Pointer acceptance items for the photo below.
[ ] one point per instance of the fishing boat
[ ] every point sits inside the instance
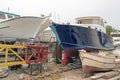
(73, 37)
(98, 61)
(14, 27)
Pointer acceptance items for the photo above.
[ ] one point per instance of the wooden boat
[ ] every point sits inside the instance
(98, 61)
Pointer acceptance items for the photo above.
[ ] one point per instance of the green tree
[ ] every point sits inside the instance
(109, 29)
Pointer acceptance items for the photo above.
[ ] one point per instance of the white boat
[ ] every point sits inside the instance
(116, 38)
(98, 61)
(14, 27)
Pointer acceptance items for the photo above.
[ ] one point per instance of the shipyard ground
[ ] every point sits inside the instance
(54, 71)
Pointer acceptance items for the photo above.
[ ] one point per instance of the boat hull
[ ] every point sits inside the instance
(73, 38)
(79, 37)
(22, 28)
(94, 62)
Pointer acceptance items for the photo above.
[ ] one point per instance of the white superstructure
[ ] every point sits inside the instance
(92, 22)
(116, 38)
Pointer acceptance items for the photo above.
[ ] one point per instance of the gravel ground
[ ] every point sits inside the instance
(51, 74)
(73, 75)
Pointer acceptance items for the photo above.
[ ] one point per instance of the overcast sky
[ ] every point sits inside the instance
(66, 10)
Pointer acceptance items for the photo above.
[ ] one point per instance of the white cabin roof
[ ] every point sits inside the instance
(89, 17)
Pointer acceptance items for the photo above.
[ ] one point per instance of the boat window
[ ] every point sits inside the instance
(118, 35)
(117, 40)
(98, 21)
(115, 35)
(95, 28)
(9, 16)
(89, 27)
(79, 22)
(86, 21)
(2, 16)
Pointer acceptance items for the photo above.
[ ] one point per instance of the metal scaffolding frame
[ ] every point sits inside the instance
(41, 53)
(10, 48)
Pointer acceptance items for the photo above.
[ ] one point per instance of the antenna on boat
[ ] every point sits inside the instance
(50, 14)
(8, 8)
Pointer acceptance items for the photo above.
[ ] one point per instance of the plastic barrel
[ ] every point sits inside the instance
(65, 58)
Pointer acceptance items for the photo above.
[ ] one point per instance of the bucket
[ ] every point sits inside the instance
(72, 60)
(65, 58)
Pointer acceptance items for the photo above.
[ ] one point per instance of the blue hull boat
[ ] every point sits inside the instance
(73, 37)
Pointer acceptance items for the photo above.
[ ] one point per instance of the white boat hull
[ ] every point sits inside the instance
(23, 27)
(94, 62)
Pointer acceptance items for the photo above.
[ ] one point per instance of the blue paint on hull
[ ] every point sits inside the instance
(78, 37)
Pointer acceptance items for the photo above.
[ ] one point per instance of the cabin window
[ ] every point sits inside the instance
(79, 22)
(86, 21)
(2, 16)
(89, 27)
(9, 16)
(98, 21)
(95, 28)
(100, 30)
(112, 35)
(118, 35)
(115, 35)
(117, 40)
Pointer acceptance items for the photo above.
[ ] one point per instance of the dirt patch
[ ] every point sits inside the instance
(52, 72)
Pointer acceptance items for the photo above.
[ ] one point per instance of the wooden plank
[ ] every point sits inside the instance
(115, 78)
(100, 79)
(105, 75)
(110, 75)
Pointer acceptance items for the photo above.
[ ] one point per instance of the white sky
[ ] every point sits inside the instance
(66, 10)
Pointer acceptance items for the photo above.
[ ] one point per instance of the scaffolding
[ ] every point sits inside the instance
(41, 52)
(9, 49)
